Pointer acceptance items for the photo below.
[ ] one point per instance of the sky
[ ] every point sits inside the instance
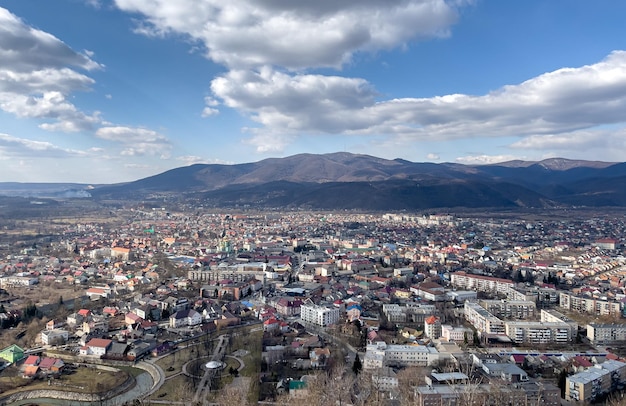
(107, 91)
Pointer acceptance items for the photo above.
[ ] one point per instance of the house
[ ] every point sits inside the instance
(54, 337)
(188, 317)
(51, 365)
(319, 356)
(288, 306)
(132, 318)
(353, 312)
(12, 353)
(271, 324)
(54, 324)
(96, 346)
(97, 293)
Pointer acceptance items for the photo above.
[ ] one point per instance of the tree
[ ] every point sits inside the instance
(357, 366)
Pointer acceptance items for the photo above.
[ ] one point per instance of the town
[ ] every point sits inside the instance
(190, 305)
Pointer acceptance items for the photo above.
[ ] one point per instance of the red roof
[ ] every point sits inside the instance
(32, 360)
(47, 363)
(99, 342)
(431, 320)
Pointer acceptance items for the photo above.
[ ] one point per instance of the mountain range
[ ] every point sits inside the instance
(351, 181)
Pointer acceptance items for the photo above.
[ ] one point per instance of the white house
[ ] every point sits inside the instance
(187, 317)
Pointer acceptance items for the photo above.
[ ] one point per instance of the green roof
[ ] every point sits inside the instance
(296, 385)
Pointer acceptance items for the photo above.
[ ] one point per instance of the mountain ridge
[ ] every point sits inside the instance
(357, 181)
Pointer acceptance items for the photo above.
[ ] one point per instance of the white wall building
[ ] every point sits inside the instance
(319, 315)
(380, 354)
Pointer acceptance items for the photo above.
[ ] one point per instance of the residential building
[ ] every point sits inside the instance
(432, 327)
(96, 346)
(457, 334)
(529, 393)
(610, 333)
(536, 332)
(317, 315)
(588, 385)
(12, 353)
(480, 283)
(482, 320)
(380, 354)
(54, 337)
(510, 309)
(187, 317)
(590, 305)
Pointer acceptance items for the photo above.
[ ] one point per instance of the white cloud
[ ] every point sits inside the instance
(36, 76)
(51, 105)
(137, 141)
(208, 112)
(293, 34)
(12, 147)
(192, 159)
(432, 156)
(268, 47)
(283, 102)
(486, 159)
(558, 102)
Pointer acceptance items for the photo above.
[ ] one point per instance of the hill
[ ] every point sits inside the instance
(351, 181)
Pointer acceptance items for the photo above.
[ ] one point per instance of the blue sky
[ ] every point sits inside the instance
(104, 91)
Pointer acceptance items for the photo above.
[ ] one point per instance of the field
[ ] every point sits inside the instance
(82, 380)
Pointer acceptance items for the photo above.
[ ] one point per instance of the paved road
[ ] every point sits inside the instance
(209, 374)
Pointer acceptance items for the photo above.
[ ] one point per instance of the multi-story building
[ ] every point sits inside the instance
(321, 316)
(590, 305)
(480, 283)
(588, 385)
(536, 332)
(394, 313)
(482, 320)
(510, 309)
(551, 315)
(432, 327)
(606, 333)
(54, 337)
(542, 296)
(380, 354)
(457, 334)
(529, 393)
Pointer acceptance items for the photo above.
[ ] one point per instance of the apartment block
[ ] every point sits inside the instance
(482, 320)
(606, 333)
(380, 354)
(480, 283)
(510, 309)
(321, 316)
(536, 332)
(589, 305)
(595, 382)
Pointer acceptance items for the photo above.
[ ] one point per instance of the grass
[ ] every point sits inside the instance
(84, 380)
(179, 388)
(252, 342)
(173, 363)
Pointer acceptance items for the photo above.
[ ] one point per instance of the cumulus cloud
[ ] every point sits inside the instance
(293, 34)
(303, 102)
(49, 105)
(270, 47)
(13, 147)
(558, 102)
(137, 141)
(37, 72)
(432, 156)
